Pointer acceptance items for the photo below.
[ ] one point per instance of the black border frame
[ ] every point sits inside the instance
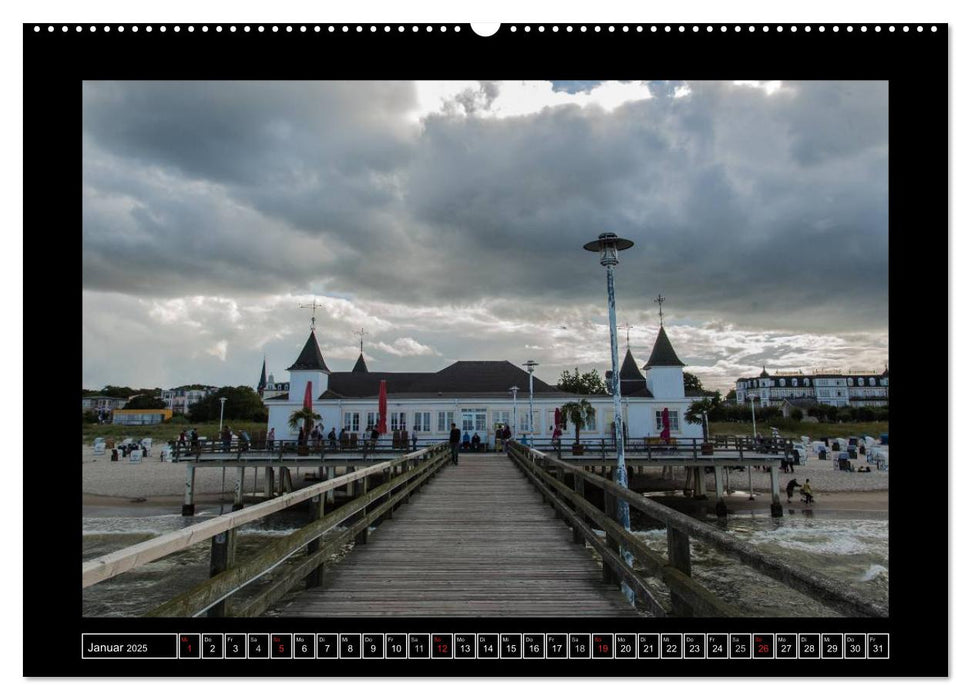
(914, 62)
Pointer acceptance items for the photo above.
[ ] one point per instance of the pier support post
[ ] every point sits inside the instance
(679, 556)
(238, 493)
(268, 482)
(721, 510)
(776, 507)
(222, 556)
(188, 504)
(331, 473)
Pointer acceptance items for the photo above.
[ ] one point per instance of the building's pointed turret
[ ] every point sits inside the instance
(360, 365)
(663, 354)
(665, 376)
(262, 385)
(310, 357)
(309, 367)
(764, 374)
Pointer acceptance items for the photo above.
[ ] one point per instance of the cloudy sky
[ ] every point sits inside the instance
(447, 220)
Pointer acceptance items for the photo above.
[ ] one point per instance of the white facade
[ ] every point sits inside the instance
(858, 389)
(477, 411)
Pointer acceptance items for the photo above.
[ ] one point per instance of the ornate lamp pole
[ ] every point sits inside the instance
(530, 365)
(607, 244)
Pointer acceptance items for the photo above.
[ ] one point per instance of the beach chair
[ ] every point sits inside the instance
(147, 444)
(99, 446)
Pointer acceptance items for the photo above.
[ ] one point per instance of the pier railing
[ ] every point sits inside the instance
(564, 486)
(324, 534)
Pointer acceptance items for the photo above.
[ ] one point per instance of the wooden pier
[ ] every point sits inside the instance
(479, 542)
(479, 539)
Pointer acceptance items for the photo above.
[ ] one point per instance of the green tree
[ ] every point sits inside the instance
(242, 403)
(692, 383)
(730, 396)
(146, 401)
(579, 413)
(586, 383)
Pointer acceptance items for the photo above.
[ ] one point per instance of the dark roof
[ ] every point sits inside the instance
(360, 365)
(465, 378)
(764, 374)
(262, 384)
(310, 357)
(631, 380)
(663, 354)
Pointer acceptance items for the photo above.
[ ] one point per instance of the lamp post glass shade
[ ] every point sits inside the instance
(607, 244)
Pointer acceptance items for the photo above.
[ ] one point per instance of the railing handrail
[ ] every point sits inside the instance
(128, 558)
(793, 575)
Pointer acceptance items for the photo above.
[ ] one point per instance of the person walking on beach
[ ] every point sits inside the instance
(454, 438)
(790, 488)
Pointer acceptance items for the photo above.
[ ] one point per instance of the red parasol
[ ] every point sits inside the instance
(383, 407)
(308, 398)
(665, 426)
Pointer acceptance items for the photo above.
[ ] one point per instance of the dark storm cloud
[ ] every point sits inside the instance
(746, 206)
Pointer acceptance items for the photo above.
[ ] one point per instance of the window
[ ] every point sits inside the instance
(445, 420)
(873, 381)
(473, 419)
(352, 422)
(372, 419)
(502, 417)
(524, 421)
(398, 421)
(672, 420)
(423, 421)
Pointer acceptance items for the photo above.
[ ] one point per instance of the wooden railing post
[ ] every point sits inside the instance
(679, 556)
(360, 492)
(610, 510)
(579, 484)
(317, 507)
(222, 556)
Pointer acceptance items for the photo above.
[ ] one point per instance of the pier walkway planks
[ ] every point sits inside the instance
(476, 541)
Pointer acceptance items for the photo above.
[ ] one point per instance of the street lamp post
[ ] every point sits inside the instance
(705, 415)
(222, 405)
(530, 366)
(607, 244)
(515, 411)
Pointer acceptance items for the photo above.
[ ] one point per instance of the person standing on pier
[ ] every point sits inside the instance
(414, 439)
(454, 438)
(332, 438)
(270, 438)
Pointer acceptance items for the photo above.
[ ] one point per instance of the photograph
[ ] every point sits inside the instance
(303, 300)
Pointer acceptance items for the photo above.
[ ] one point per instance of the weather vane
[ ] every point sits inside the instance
(627, 327)
(313, 312)
(361, 333)
(660, 310)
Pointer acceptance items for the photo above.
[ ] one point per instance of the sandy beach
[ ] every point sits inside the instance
(161, 484)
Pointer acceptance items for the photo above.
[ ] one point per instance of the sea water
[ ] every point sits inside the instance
(851, 550)
(855, 552)
(134, 593)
